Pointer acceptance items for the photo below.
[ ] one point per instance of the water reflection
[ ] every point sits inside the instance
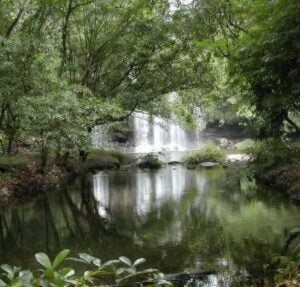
(144, 191)
(178, 219)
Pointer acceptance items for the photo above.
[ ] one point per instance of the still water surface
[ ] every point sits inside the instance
(178, 219)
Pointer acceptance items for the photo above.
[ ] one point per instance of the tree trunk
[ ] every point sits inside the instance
(83, 155)
(44, 158)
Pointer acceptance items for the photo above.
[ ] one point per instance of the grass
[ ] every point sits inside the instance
(208, 153)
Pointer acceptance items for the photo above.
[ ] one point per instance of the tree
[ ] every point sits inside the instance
(66, 66)
(268, 59)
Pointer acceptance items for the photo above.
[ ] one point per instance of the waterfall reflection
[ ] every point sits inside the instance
(176, 218)
(149, 190)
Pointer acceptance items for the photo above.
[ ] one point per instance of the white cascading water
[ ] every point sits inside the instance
(155, 134)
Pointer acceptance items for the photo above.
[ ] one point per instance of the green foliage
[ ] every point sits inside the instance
(208, 153)
(253, 48)
(150, 161)
(244, 145)
(66, 67)
(17, 160)
(270, 153)
(265, 61)
(120, 271)
(95, 153)
(289, 263)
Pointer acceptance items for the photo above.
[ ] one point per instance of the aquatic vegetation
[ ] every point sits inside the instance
(208, 153)
(121, 271)
(150, 161)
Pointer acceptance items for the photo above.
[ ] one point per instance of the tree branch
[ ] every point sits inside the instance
(14, 23)
(292, 123)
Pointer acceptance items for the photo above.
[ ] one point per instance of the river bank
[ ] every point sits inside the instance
(284, 179)
(21, 177)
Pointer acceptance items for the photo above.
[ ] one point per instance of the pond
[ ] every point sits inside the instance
(178, 219)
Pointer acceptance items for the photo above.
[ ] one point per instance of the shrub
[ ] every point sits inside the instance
(96, 153)
(150, 161)
(244, 145)
(209, 153)
(271, 153)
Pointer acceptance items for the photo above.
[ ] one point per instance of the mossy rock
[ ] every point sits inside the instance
(150, 161)
(100, 159)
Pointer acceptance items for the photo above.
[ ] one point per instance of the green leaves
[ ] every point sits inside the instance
(139, 261)
(120, 271)
(43, 259)
(61, 257)
(125, 260)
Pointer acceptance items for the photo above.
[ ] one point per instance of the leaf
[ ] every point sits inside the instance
(97, 262)
(149, 271)
(120, 271)
(61, 256)
(8, 269)
(164, 282)
(67, 272)
(43, 259)
(125, 260)
(2, 283)
(76, 260)
(87, 258)
(139, 261)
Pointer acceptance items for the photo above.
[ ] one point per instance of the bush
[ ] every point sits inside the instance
(244, 145)
(209, 153)
(96, 153)
(150, 161)
(272, 153)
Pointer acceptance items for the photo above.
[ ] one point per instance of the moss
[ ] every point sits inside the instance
(150, 161)
(208, 153)
(104, 159)
(13, 163)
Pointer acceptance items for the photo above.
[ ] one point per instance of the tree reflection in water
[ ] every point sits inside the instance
(176, 218)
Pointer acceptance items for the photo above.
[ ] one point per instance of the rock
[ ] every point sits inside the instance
(224, 143)
(238, 157)
(185, 276)
(191, 166)
(120, 137)
(150, 161)
(209, 164)
(174, 162)
(125, 167)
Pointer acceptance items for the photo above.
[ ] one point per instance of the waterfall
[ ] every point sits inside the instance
(152, 133)
(155, 134)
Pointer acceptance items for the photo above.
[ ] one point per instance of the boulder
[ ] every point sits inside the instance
(209, 164)
(174, 162)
